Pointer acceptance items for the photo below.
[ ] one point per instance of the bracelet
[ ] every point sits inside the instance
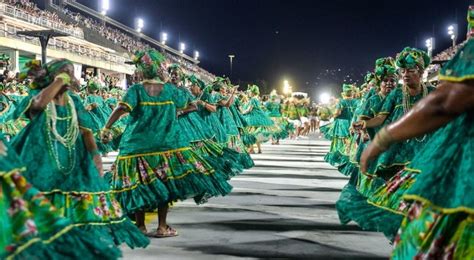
(94, 152)
(64, 77)
(383, 139)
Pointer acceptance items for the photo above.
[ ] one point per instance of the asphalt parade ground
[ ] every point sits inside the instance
(284, 207)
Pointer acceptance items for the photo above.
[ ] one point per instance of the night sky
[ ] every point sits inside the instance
(316, 45)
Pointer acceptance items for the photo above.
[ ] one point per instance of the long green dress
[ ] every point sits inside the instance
(197, 132)
(8, 125)
(225, 116)
(274, 109)
(233, 140)
(399, 155)
(247, 138)
(352, 204)
(156, 164)
(357, 142)
(440, 222)
(258, 123)
(338, 132)
(32, 228)
(99, 114)
(64, 172)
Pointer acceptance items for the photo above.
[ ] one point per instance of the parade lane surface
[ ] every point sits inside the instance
(284, 207)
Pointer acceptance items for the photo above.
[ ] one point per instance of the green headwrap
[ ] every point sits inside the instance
(411, 58)
(461, 66)
(4, 60)
(44, 75)
(347, 87)
(384, 67)
(217, 85)
(149, 63)
(195, 81)
(254, 89)
(369, 77)
(93, 85)
(175, 67)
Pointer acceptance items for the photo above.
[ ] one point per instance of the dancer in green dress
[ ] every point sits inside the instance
(411, 63)
(338, 131)
(358, 138)
(207, 109)
(59, 150)
(99, 110)
(439, 223)
(156, 164)
(352, 204)
(32, 228)
(8, 126)
(274, 109)
(258, 123)
(223, 160)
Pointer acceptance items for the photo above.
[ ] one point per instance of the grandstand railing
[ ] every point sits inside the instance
(10, 31)
(41, 21)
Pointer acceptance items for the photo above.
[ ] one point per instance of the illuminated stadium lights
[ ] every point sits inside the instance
(164, 38)
(105, 4)
(140, 23)
(324, 98)
(452, 31)
(429, 43)
(182, 47)
(287, 89)
(196, 55)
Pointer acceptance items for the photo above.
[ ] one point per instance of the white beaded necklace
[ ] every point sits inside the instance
(68, 140)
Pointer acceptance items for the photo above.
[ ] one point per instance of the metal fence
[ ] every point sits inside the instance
(10, 31)
(39, 20)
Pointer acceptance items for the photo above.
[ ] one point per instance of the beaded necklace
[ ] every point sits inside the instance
(68, 140)
(407, 105)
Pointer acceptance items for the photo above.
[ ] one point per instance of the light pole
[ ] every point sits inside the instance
(182, 47)
(231, 58)
(139, 24)
(453, 32)
(430, 43)
(104, 7)
(196, 55)
(164, 38)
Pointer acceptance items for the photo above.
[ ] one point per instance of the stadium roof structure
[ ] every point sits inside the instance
(43, 36)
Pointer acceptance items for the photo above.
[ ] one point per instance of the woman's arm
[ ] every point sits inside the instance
(190, 108)
(209, 107)
(91, 147)
(437, 109)
(46, 95)
(371, 123)
(118, 112)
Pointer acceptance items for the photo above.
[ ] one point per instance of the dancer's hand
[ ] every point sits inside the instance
(105, 135)
(370, 153)
(359, 125)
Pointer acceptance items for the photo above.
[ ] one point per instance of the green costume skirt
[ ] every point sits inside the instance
(439, 224)
(150, 180)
